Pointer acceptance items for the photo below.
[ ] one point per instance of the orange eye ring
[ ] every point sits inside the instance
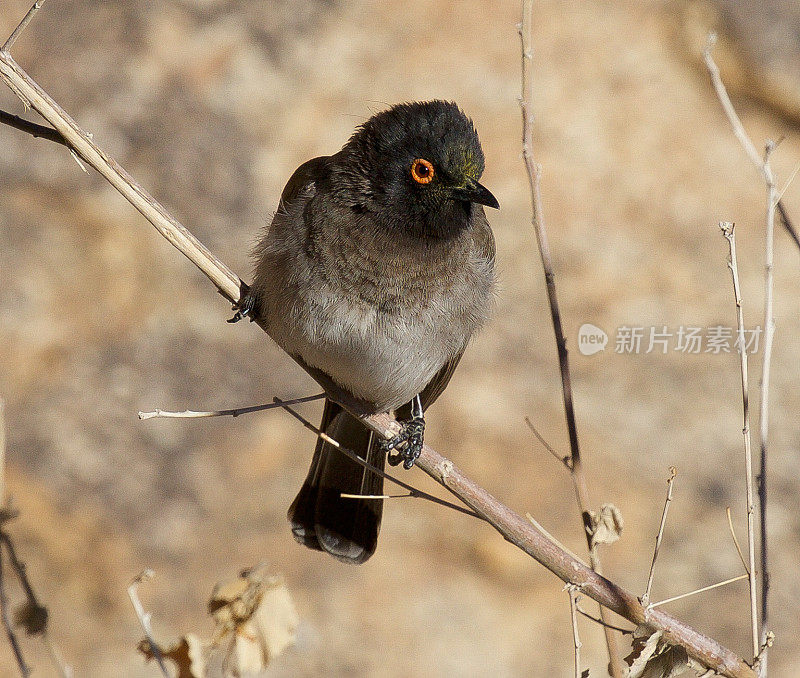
(422, 171)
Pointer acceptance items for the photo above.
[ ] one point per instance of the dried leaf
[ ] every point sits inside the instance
(257, 610)
(667, 664)
(651, 657)
(644, 647)
(606, 526)
(255, 621)
(245, 657)
(234, 601)
(276, 619)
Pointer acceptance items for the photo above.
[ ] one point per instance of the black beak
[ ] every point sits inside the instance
(475, 192)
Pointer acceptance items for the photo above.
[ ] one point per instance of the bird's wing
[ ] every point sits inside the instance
(439, 382)
(307, 173)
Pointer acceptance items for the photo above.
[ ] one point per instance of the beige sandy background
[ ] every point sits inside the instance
(211, 105)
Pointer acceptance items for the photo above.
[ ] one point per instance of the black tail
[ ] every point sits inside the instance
(321, 518)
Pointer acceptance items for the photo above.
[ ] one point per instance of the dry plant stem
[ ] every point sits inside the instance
(515, 528)
(413, 492)
(7, 625)
(773, 202)
(144, 618)
(616, 667)
(700, 590)
(345, 495)
(787, 224)
(728, 230)
(19, 568)
(79, 141)
(64, 669)
(546, 445)
(672, 473)
(763, 420)
(191, 414)
(573, 613)
(39, 131)
(736, 541)
(33, 603)
(4, 614)
(555, 541)
(596, 620)
(23, 24)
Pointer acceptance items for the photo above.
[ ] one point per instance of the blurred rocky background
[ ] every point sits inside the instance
(211, 104)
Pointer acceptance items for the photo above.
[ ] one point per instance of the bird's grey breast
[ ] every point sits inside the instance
(380, 317)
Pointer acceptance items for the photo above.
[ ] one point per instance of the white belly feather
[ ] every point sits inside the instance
(384, 358)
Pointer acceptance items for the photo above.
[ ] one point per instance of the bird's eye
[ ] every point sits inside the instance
(422, 171)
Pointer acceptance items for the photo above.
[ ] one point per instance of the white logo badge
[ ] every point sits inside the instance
(591, 339)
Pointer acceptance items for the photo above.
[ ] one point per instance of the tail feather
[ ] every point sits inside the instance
(321, 518)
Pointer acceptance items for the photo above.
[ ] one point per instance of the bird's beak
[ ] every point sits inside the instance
(477, 193)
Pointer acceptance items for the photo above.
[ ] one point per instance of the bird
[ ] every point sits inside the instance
(374, 274)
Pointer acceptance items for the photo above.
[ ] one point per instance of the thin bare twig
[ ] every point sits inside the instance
(727, 105)
(22, 575)
(32, 128)
(736, 541)
(564, 459)
(35, 612)
(696, 591)
(788, 183)
(23, 24)
(744, 139)
(81, 142)
(4, 612)
(356, 458)
(533, 169)
(773, 202)
(787, 224)
(728, 230)
(9, 627)
(144, 618)
(510, 524)
(555, 541)
(64, 669)
(410, 495)
(191, 414)
(763, 417)
(673, 472)
(572, 590)
(597, 620)
(347, 495)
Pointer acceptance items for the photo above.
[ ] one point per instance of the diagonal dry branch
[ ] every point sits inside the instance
(509, 523)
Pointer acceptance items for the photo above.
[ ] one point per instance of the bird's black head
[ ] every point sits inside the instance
(415, 167)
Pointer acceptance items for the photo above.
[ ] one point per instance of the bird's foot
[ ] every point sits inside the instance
(406, 446)
(244, 308)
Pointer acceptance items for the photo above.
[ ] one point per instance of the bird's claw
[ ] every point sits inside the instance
(406, 446)
(244, 308)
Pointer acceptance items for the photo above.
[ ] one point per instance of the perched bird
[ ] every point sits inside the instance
(376, 270)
